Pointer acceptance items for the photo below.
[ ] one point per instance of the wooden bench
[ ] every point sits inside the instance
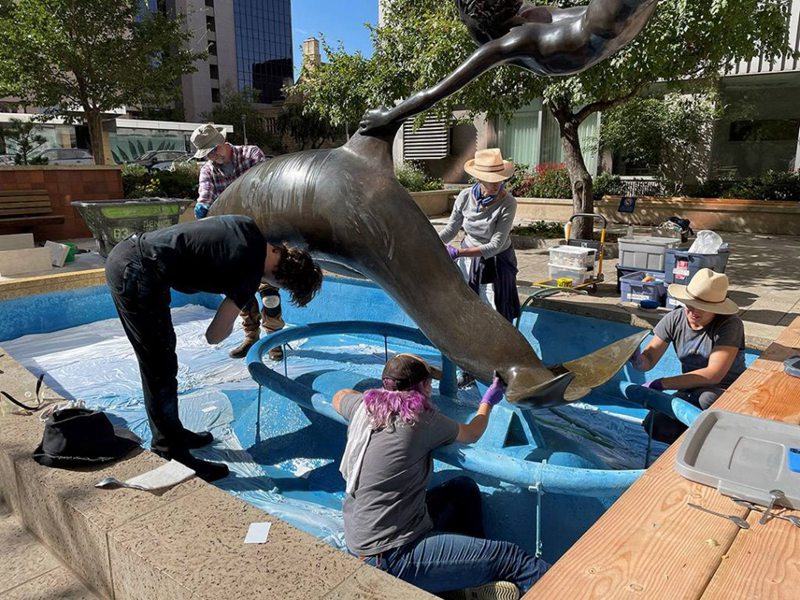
(25, 208)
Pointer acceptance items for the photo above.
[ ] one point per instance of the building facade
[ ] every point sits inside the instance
(249, 44)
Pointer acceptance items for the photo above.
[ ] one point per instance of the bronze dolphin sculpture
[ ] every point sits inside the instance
(346, 206)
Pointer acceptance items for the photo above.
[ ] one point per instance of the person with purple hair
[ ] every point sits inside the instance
(433, 539)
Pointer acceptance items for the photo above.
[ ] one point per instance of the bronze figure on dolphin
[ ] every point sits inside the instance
(347, 207)
(544, 40)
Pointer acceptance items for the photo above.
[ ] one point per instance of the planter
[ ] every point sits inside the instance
(717, 214)
(436, 202)
(544, 209)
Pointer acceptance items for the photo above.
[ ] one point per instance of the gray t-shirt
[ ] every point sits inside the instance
(489, 228)
(388, 509)
(694, 347)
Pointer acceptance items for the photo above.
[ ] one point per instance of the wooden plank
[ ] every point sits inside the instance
(20, 203)
(27, 210)
(763, 563)
(651, 544)
(6, 193)
(10, 222)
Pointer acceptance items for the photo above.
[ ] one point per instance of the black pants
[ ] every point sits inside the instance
(142, 302)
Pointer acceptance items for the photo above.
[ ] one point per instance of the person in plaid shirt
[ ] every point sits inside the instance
(225, 162)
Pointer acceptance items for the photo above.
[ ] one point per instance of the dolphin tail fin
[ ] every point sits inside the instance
(573, 379)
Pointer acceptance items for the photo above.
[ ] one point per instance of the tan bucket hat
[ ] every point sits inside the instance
(488, 165)
(706, 291)
(207, 137)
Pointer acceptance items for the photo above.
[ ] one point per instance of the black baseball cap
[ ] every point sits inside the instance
(407, 370)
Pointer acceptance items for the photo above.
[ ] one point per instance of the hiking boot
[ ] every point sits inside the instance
(464, 380)
(499, 590)
(276, 353)
(241, 350)
(208, 471)
(197, 439)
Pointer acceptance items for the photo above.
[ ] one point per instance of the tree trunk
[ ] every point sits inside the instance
(95, 123)
(579, 177)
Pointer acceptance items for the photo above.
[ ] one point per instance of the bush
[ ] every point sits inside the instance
(607, 184)
(181, 182)
(135, 179)
(772, 185)
(540, 229)
(547, 181)
(415, 179)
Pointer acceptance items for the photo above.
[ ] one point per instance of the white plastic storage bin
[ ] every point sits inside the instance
(645, 253)
(573, 257)
(578, 276)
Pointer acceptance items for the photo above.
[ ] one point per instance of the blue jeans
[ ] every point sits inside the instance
(454, 554)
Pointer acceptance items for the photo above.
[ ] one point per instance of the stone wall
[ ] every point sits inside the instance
(65, 184)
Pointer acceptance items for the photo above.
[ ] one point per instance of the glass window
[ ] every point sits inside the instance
(212, 48)
(213, 71)
(215, 95)
(210, 24)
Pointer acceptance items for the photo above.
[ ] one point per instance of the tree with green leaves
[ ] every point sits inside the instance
(27, 137)
(80, 57)
(238, 108)
(669, 134)
(422, 41)
(337, 91)
(305, 125)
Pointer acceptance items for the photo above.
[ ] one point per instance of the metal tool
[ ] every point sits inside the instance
(793, 519)
(738, 521)
(774, 495)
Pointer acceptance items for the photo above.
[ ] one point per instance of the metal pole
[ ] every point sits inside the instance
(244, 128)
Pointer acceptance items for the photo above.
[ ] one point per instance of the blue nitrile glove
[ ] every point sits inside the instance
(453, 252)
(200, 211)
(655, 384)
(637, 360)
(494, 393)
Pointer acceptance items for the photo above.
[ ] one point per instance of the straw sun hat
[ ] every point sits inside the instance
(489, 166)
(706, 291)
(205, 138)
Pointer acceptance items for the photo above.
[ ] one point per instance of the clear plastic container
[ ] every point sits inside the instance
(578, 276)
(573, 257)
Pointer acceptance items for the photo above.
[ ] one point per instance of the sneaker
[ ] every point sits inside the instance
(197, 439)
(465, 380)
(208, 471)
(276, 353)
(241, 350)
(499, 590)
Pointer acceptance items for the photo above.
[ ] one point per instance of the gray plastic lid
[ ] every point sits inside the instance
(743, 456)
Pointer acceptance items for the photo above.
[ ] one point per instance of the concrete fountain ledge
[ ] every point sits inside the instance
(185, 543)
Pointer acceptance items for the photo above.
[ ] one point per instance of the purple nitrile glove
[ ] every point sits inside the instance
(494, 393)
(200, 211)
(655, 384)
(637, 360)
(453, 252)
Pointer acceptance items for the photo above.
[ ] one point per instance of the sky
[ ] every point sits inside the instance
(337, 20)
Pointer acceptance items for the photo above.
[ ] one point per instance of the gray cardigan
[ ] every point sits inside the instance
(488, 229)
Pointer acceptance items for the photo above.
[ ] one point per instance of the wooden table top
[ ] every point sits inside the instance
(651, 545)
